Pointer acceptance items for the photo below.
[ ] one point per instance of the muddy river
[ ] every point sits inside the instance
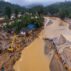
(33, 57)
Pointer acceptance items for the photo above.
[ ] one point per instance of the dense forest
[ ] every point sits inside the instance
(62, 9)
(13, 7)
(59, 9)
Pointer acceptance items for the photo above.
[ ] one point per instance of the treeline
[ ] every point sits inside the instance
(13, 7)
(61, 10)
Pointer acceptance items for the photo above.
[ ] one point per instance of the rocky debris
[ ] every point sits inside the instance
(58, 61)
(49, 46)
(49, 22)
(68, 20)
(70, 26)
(56, 64)
(59, 40)
(7, 58)
(60, 33)
(66, 56)
(4, 41)
(62, 23)
(51, 50)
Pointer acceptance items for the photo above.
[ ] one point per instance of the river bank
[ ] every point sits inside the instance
(8, 59)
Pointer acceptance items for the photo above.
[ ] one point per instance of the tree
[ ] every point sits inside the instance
(8, 12)
(16, 13)
(63, 13)
(37, 9)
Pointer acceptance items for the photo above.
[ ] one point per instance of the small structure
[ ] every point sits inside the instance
(12, 16)
(24, 31)
(19, 15)
(29, 29)
(31, 26)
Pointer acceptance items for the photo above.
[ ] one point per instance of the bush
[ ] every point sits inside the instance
(32, 19)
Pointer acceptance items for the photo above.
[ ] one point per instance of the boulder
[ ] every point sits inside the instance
(59, 40)
(62, 40)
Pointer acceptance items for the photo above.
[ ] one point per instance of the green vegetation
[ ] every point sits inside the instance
(14, 27)
(16, 13)
(21, 23)
(8, 12)
(13, 7)
(32, 15)
(61, 10)
(37, 9)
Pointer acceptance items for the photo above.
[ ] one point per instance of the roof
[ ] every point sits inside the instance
(31, 26)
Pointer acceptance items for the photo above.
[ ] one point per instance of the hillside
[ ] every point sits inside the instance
(62, 9)
(3, 5)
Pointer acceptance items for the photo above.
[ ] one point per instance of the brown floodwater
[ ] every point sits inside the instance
(33, 57)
